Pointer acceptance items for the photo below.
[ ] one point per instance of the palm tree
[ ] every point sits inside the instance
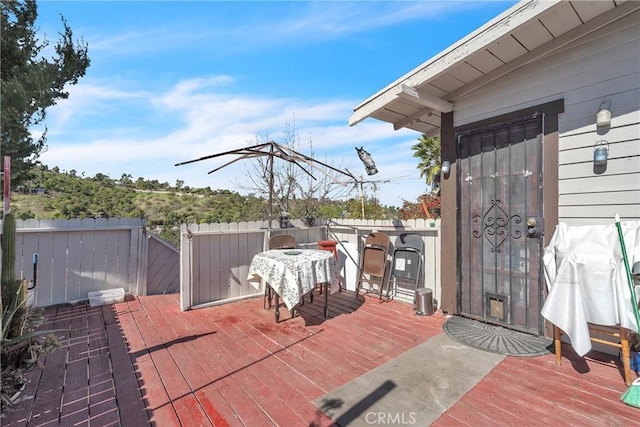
(428, 151)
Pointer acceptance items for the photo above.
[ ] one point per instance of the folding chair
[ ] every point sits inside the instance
(373, 262)
(279, 241)
(407, 262)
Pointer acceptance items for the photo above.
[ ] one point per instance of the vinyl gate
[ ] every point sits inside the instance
(77, 256)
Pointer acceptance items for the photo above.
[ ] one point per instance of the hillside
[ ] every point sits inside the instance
(55, 194)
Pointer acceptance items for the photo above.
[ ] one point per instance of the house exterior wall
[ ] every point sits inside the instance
(604, 65)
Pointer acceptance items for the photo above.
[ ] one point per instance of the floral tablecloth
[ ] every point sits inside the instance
(293, 273)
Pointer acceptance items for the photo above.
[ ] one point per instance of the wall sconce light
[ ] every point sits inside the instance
(600, 153)
(445, 168)
(603, 116)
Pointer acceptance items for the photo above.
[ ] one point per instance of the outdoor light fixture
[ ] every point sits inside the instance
(603, 116)
(369, 165)
(600, 153)
(446, 167)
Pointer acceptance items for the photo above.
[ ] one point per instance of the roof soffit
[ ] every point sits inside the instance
(489, 55)
(620, 13)
(512, 18)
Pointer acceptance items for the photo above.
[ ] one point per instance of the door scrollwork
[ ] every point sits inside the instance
(496, 226)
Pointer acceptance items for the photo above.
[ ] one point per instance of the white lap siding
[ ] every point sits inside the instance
(604, 65)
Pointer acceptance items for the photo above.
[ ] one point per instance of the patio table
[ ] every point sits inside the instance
(293, 273)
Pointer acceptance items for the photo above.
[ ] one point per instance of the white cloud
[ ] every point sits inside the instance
(241, 28)
(141, 121)
(206, 121)
(312, 22)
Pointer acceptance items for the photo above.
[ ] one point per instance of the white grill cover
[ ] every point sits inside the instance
(587, 280)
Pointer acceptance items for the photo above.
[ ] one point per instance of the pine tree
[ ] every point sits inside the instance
(32, 83)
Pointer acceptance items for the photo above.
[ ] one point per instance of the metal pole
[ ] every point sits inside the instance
(362, 195)
(271, 186)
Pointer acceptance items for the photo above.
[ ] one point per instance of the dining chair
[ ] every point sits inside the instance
(373, 262)
(282, 241)
(279, 241)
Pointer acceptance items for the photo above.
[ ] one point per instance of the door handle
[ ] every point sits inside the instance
(535, 226)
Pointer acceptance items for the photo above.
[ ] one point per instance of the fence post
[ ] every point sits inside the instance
(185, 268)
(143, 258)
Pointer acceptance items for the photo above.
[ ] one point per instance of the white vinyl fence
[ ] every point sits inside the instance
(77, 256)
(350, 235)
(64, 260)
(215, 258)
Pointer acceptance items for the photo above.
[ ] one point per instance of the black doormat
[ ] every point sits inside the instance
(496, 339)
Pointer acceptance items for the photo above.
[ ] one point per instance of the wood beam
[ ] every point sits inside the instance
(410, 93)
(425, 111)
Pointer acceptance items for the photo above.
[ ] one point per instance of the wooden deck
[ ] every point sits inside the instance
(143, 362)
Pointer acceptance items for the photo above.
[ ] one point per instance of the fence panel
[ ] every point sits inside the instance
(350, 233)
(163, 267)
(79, 256)
(75, 257)
(214, 258)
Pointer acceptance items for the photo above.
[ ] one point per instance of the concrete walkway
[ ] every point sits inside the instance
(412, 389)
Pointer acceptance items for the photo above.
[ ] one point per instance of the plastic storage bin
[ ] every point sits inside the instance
(107, 296)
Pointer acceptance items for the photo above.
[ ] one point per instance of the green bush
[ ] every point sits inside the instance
(22, 343)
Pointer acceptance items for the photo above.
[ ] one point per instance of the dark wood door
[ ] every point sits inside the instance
(500, 224)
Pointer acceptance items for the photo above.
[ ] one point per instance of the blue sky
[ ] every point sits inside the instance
(173, 81)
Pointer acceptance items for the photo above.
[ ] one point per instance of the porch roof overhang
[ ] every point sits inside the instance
(528, 31)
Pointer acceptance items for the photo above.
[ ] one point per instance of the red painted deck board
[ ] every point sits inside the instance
(190, 412)
(219, 411)
(144, 362)
(247, 411)
(519, 390)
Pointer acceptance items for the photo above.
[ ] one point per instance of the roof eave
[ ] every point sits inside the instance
(512, 18)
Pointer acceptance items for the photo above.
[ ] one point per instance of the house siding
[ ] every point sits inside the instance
(605, 65)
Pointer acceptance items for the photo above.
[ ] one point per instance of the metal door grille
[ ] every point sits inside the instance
(500, 188)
